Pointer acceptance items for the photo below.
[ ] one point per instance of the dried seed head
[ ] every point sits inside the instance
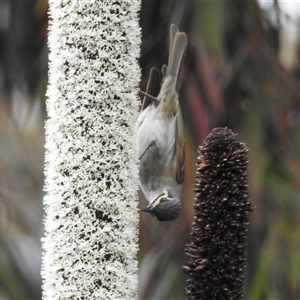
(217, 252)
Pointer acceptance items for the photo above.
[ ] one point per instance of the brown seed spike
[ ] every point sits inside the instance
(217, 251)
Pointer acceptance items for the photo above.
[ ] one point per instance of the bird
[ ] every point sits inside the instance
(161, 137)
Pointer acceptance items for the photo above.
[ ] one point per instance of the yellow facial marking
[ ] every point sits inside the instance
(164, 195)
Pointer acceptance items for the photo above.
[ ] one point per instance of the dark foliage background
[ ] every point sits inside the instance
(241, 71)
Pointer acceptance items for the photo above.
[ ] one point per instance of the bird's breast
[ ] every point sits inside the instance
(155, 129)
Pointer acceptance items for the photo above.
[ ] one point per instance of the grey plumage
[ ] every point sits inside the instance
(160, 134)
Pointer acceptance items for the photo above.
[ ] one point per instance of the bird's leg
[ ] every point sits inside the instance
(153, 143)
(149, 96)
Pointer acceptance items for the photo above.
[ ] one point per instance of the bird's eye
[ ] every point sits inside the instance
(159, 200)
(163, 200)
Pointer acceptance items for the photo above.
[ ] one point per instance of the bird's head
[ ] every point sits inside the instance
(164, 207)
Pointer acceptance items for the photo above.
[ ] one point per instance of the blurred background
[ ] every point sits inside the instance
(241, 70)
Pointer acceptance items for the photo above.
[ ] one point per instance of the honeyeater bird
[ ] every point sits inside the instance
(160, 135)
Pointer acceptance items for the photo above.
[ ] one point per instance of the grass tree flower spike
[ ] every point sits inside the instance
(91, 223)
(217, 252)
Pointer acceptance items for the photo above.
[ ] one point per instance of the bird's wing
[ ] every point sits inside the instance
(178, 44)
(179, 151)
(153, 87)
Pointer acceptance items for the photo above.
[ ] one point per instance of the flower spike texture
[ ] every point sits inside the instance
(217, 252)
(91, 163)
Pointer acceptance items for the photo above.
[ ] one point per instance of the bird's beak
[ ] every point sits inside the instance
(146, 209)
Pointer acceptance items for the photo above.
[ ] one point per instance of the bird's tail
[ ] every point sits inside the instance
(178, 43)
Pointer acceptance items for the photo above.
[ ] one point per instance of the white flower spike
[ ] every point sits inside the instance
(91, 168)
